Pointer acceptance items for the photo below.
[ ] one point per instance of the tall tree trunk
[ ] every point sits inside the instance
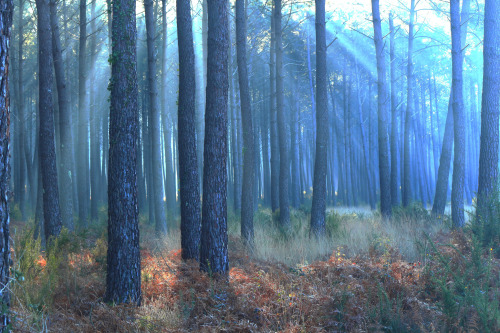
(51, 209)
(83, 123)
(123, 279)
(457, 187)
(318, 210)
(275, 158)
(282, 132)
(247, 195)
(188, 165)
(6, 13)
(394, 121)
(383, 112)
(213, 254)
(21, 190)
(95, 167)
(441, 193)
(408, 115)
(490, 107)
(66, 159)
(167, 121)
(154, 123)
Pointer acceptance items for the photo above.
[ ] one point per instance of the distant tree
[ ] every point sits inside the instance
(167, 120)
(123, 279)
(247, 195)
(66, 137)
(383, 107)
(154, 123)
(83, 122)
(457, 188)
(213, 255)
(490, 109)
(394, 124)
(441, 193)
(20, 191)
(408, 114)
(318, 211)
(51, 209)
(6, 13)
(275, 158)
(282, 134)
(188, 166)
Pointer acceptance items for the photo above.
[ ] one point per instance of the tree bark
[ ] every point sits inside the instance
(213, 255)
(490, 107)
(123, 279)
(457, 188)
(318, 210)
(6, 13)
(188, 165)
(383, 112)
(247, 195)
(51, 209)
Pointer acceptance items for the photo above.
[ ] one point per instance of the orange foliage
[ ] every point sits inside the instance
(41, 261)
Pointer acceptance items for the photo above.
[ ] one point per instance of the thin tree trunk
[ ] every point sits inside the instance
(247, 195)
(66, 179)
(83, 123)
(394, 121)
(154, 123)
(408, 115)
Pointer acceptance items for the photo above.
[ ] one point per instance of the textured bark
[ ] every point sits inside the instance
(408, 114)
(282, 130)
(213, 255)
(394, 123)
(154, 123)
(383, 115)
(6, 13)
(66, 159)
(188, 166)
(123, 279)
(490, 107)
(457, 188)
(51, 209)
(318, 210)
(83, 123)
(247, 195)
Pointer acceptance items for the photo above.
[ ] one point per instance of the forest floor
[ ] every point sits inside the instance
(410, 274)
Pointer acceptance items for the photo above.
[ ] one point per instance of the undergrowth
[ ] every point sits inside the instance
(365, 275)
